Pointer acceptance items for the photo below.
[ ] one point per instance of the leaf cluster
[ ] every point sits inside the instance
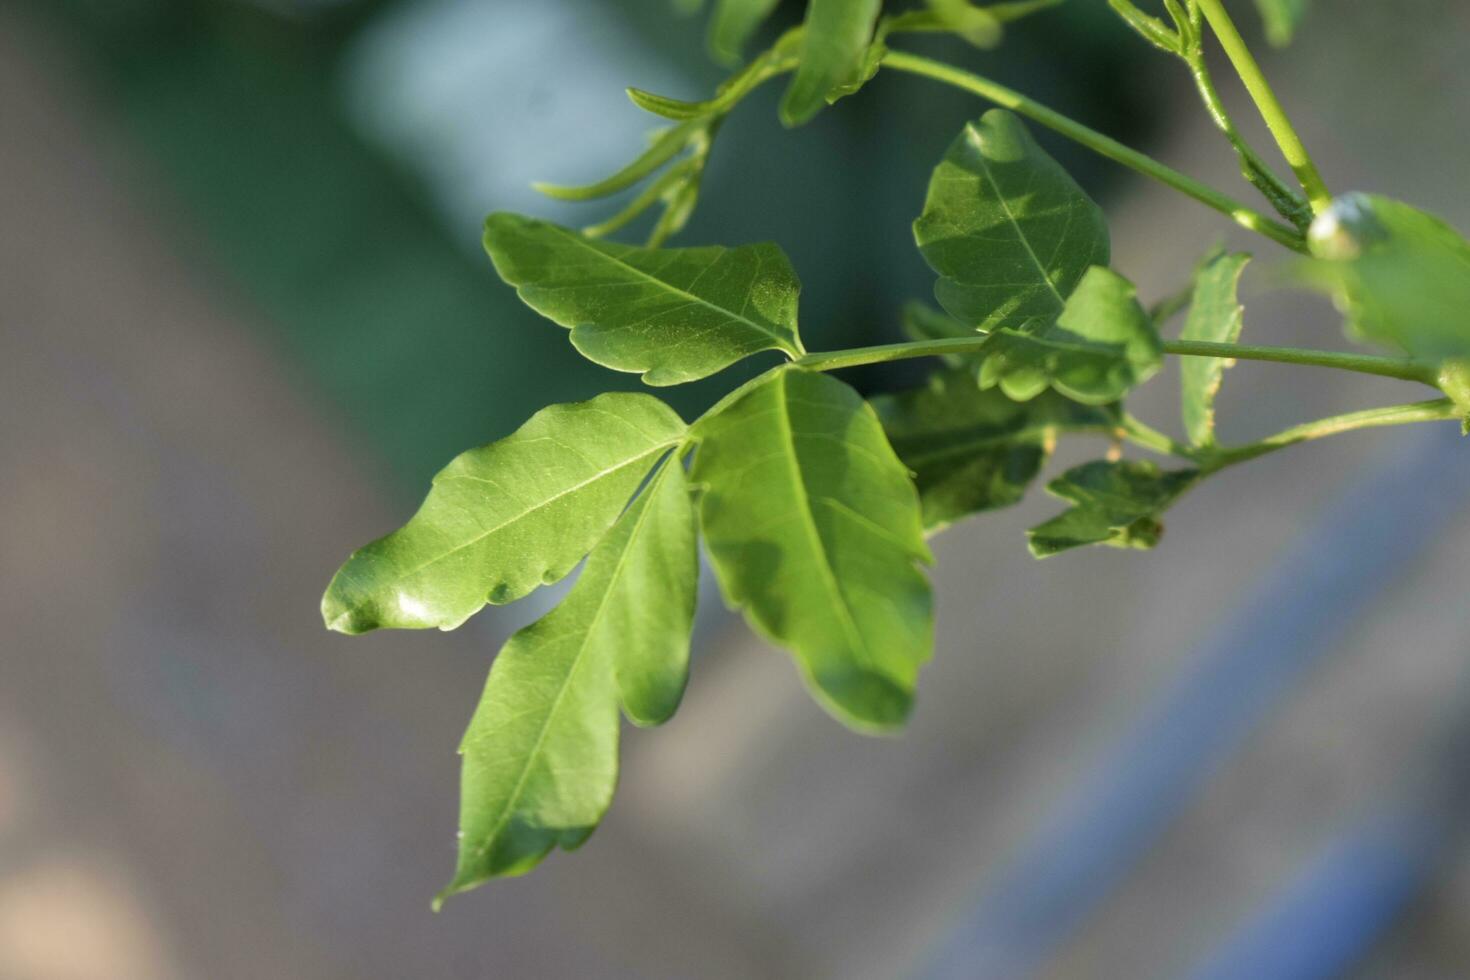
(812, 504)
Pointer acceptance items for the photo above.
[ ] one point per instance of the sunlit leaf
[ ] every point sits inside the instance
(674, 314)
(834, 46)
(1215, 315)
(541, 752)
(1101, 345)
(1116, 504)
(1007, 229)
(814, 529)
(973, 450)
(1401, 275)
(505, 518)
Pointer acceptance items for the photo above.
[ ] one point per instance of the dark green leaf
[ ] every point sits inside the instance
(1401, 275)
(1215, 315)
(1116, 504)
(541, 753)
(1102, 345)
(835, 43)
(674, 314)
(732, 26)
(973, 450)
(814, 529)
(505, 518)
(1006, 228)
(1282, 18)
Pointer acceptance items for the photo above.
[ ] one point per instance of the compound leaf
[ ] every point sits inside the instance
(1116, 504)
(1215, 315)
(814, 529)
(1009, 232)
(1401, 275)
(502, 519)
(1101, 345)
(674, 314)
(541, 752)
(833, 52)
(973, 450)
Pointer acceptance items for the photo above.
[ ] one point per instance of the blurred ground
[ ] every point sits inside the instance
(196, 781)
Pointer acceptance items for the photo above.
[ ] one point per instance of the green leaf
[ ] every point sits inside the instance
(1401, 275)
(541, 753)
(674, 314)
(1282, 18)
(1007, 229)
(814, 529)
(732, 26)
(502, 519)
(973, 450)
(975, 25)
(1116, 504)
(1102, 345)
(835, 43)
(1215, 315)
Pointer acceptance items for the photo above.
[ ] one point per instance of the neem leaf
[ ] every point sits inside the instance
(502, 519)
(973, 450)
(835, 43)
(1117, 504)
(1215, 315)
(733, 24)
(815, 530)
(1401, 275)
(1101, 345)
(1282, 18)
(541, 752)
(675, 314)
(1007, 229)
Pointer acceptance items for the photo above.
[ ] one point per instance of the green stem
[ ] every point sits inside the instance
(1388, 367)
(1270, 107)
(883, 353)
(1152, 439)
(1097, 142)
(1282, 197)
(1435, 410)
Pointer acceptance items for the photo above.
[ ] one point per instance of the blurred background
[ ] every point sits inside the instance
(244, 317)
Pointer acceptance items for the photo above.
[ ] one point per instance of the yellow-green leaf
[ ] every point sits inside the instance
(541, 752)
(502, 519)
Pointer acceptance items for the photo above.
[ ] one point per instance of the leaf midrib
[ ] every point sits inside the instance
(814, 536)
(973, 136)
